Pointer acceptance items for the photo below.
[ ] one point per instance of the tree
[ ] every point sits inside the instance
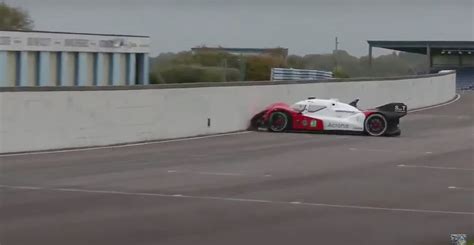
(338, 72)
(12, 18)
(211, 66)
(258, 68)
(198, 74)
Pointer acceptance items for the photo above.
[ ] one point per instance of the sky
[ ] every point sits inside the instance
(303, 26)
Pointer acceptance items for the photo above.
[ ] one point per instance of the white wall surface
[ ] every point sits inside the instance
(32, 121)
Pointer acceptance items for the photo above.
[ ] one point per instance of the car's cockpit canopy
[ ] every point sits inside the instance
(314, 105)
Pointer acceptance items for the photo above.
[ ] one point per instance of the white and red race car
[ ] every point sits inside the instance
(330, 115)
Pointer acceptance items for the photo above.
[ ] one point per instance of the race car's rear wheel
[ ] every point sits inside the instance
(376, 125)
(278, 122)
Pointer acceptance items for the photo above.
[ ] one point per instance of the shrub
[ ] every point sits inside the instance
(194, 74)
(258, 68)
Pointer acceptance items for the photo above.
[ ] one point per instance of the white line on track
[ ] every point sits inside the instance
(297, 203)
(458, 96)
(124, 145)
(388, 151)
(210, 173)
(27, 188)
(434, 167)
(461, 188)
(221, 174)
(230, 199)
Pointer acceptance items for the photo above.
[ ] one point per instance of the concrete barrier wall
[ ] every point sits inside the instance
(42, 118)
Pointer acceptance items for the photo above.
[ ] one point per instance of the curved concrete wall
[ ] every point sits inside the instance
(41, 118)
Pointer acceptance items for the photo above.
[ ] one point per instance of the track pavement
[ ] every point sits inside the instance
(252, 188)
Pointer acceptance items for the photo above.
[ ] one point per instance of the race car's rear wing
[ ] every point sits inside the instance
(395, 110)
(393, 107)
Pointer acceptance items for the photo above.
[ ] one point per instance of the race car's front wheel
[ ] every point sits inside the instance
(376, 125)
(278, 121)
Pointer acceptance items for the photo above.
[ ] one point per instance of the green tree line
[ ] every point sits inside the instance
(185, 67)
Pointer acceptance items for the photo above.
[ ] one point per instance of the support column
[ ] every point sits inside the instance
(63, 70)
(370, 56)
(98, 69)
(144, 77)
(131, 69)
(3, 69)
(44, 69)
(22, 69)
(81, 70)
(115, 69)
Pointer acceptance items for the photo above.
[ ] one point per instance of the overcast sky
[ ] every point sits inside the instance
(303, 26)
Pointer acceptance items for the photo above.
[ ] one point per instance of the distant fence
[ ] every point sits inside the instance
(282, 74)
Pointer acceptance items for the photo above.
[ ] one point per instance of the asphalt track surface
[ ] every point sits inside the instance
(252, 188)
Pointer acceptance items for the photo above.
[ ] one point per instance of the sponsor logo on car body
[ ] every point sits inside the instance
(338, 125)
(400, 108)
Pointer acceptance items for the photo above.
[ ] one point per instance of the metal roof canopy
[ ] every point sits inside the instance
(428, 48)
(421, 47)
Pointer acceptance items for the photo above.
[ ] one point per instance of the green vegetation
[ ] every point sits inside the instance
(349, 66)
(14, 18)
(191, 73)
(258, 68)
(187, 67)
(338, 72)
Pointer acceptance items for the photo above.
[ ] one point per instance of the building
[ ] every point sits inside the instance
(281, 52)
(72, 59)
(440, 55)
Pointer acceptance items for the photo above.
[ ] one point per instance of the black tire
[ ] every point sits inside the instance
(278, 122)
(376, 125)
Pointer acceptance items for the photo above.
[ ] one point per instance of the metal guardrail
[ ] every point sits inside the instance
(284, 74)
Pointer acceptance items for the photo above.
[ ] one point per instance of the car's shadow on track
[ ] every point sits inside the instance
(296, 132)
(336, 133)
